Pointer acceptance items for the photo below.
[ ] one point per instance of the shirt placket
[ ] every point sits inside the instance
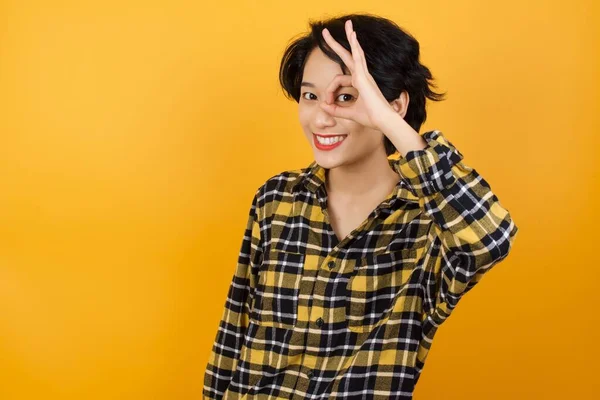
(318, 315)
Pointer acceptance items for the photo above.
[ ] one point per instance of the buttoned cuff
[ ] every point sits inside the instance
(429, 170)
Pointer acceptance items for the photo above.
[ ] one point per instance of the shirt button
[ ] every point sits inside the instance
(319, 322)
(331, 264)
(310, 374)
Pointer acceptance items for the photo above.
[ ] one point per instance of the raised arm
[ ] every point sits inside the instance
(470, 232)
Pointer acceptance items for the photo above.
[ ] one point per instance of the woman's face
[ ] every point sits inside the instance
(359, 142)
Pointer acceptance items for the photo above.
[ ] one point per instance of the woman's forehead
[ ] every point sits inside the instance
(319, 69)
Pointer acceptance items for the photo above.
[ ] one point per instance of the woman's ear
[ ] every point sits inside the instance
(400, 105)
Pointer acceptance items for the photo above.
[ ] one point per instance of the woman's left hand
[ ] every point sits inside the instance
(371, 108)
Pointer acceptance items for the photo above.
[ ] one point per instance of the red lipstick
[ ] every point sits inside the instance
(326, 147)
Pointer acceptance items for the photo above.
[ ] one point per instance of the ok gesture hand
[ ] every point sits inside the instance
(371, 108)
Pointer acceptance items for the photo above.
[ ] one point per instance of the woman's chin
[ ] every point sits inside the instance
(327, 161)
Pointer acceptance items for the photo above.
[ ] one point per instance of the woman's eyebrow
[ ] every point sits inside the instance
(312, 85)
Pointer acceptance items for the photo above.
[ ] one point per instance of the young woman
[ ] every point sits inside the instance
(349, 266)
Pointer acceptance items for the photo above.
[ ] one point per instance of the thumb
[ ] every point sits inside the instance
(337, 111)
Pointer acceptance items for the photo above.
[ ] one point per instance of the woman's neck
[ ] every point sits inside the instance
(370, 177)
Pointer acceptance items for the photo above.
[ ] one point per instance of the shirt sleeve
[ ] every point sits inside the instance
(234, 321)
(470, 232)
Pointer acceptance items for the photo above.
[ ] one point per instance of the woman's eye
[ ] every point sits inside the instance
(343, 94)
(305, 93)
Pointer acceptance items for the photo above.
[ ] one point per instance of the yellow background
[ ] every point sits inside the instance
(133, 135)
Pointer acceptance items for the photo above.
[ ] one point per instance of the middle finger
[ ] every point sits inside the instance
(344, 54)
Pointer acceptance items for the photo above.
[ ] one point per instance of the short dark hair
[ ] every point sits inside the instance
(392, 56)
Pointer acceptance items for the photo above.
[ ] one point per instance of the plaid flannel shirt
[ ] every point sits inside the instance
(308, 316)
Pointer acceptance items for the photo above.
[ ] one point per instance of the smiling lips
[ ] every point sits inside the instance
(329, 142)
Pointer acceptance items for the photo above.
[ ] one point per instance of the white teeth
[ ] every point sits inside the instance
(330, 140)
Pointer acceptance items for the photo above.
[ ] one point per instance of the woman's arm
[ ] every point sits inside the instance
(471, 230)
(234, 322)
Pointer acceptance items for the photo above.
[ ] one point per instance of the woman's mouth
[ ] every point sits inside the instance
(328, 142)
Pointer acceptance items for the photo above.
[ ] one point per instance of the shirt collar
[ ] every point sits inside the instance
(313, 177)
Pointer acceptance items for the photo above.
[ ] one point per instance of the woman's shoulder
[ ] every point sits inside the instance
(288, 181)
(281, 188)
